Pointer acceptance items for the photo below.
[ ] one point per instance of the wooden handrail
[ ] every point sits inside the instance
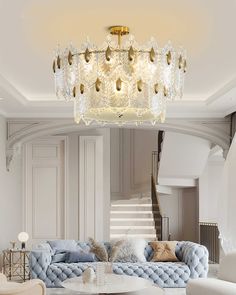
(155, 196)
(157, 213)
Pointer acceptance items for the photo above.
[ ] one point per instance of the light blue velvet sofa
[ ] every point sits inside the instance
(193, 263)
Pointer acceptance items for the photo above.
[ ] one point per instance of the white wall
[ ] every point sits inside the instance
(183, 156)
(181, 206)
(227, 202)
(73, 181)
(77, 193)
(171, 206)
(11, 200)
(129, 169)
(131, 162)
(182, 161)
(10, 194)
(209, 186)
(190, 214)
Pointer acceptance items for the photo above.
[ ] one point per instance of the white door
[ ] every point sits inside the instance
(44, 185)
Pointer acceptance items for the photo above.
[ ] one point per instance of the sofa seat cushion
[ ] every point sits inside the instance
(165, 274)
(210, 287)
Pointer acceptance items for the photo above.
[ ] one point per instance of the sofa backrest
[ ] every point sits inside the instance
(70, 244)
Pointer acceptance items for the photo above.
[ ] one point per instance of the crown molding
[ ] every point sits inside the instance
(12, 90)
(221, 92)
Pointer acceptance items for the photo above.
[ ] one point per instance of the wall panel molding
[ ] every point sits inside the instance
(91, 187)
(117, 159)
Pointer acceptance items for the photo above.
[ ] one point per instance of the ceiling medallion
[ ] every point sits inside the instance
(120, 82)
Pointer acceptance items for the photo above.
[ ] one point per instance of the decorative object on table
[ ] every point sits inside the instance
(100, 273)
(23, 237)
(16, 265)
(99, 250)
(108, 267)
(164, 251)
(13, 245)
(120, 82)
(88, 276)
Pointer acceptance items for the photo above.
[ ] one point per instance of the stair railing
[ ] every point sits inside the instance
(161, 221)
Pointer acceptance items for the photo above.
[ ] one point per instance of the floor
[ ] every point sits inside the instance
(213, 270)
(64, 292)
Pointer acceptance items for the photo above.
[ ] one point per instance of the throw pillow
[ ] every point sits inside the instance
(59, 256)
(132, 250)
(79, 256)
(99, 250)
(67, 245)
(164, 251)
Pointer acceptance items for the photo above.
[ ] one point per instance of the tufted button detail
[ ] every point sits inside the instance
(193, 263)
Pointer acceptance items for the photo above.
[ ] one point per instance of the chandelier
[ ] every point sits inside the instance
(120, 82)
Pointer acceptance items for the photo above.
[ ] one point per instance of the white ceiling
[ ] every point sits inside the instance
(31, 29)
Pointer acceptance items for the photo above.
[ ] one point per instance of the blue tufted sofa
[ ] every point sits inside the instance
(193, 264)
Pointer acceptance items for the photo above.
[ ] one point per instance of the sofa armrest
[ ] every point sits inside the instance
(196, 257)
(39, 262)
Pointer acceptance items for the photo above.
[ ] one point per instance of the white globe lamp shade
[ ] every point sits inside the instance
(23, 237)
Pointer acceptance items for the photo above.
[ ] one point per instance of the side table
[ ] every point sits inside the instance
(16, 265)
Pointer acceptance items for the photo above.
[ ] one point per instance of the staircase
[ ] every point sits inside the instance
(132, 218)
(141, 218)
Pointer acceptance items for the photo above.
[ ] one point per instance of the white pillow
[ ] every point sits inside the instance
(132, 250)
(139, 246)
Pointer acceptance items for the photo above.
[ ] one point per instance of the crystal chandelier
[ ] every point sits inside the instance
(119, 82)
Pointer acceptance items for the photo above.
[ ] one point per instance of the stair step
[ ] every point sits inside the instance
(134, 215)
(129, 230)
(134, 211)
(132, 221)
(131, 208)
(134, 201)
(132, 227)
(134, 206)
(134, 218)
(140, 236)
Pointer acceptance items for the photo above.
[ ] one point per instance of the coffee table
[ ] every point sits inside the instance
(113, 284)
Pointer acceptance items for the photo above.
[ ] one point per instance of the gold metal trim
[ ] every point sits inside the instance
(119, 30)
